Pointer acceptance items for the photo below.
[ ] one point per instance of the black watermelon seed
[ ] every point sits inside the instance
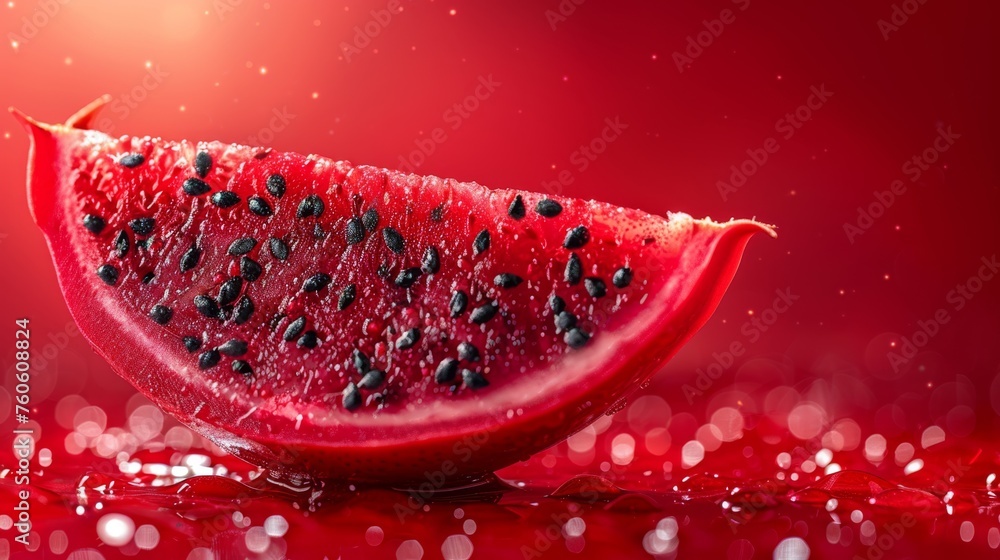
(355, 231)
(565, 321)
(347, 296)
(408, 339)
(370, 219)
(276, 185)
(209, 359)
(230, 290)
(148, 278)
(132, 160)
(121, 244)
(407, 277)
(242, 246)
(259, 206)
(576, 338)
(393, 240)
(206, 306)
(622, 277)
(161, 314)
(195, 187)
(361, 362)
(459, 301)
(318, 206)
(548, 208)
(574, 270)
(446, 371)
(507, 280)
(244, 308)
(516, 208)
(278, 248)
(242, 367)
(481, 242)
(557, 304)
(351, 397)
(250, 269)
(295, 329)
(94, 224)
(142, 244)
(468, 352)
(191, 343)
(311, 205)
(473, 379)
(430, 263)
(483, 313)
(190, 258)
(233, 348)
(308, 340)
(202, 164)
(595, 287)
(225, 199)
(225, 312)
(108, 273)
(316, 282)
(372, 380)
(437, 213)
(576, 238)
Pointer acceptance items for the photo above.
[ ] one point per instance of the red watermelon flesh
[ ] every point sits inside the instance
(334, 320)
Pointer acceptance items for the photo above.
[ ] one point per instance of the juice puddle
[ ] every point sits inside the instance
(739, 487)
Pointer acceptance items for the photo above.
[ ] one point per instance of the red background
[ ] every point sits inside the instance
(228, 68)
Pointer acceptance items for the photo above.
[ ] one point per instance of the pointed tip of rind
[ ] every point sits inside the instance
(744, 226)
(27, 122)
(81, 119)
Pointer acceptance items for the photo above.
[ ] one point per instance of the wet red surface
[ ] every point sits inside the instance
(743, 488)
(842, 402)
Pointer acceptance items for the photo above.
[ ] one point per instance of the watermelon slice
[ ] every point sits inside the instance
(320, 318)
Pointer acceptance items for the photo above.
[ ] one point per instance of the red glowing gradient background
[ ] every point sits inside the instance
(277, 72)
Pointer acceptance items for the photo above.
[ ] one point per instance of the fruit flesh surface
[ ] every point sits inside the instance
(295, 405)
